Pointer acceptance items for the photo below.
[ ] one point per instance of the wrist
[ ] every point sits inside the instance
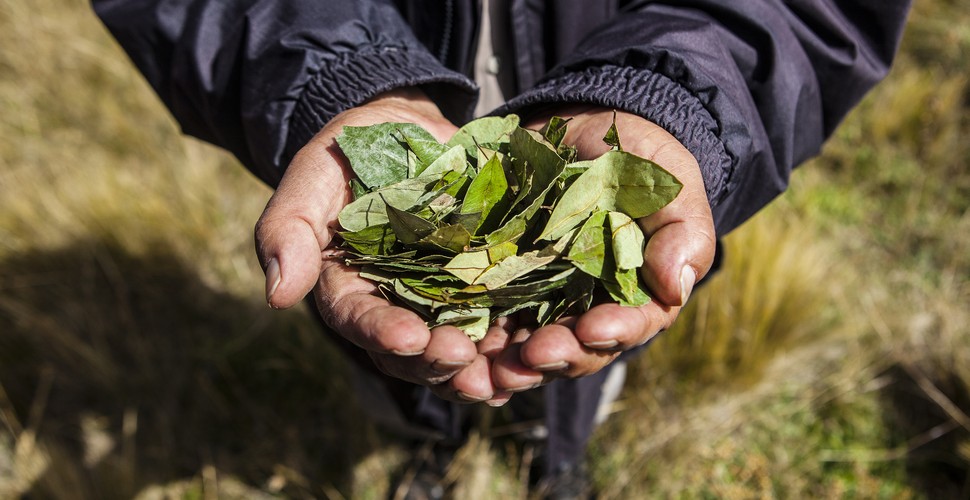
(404, 105)
(400, 95)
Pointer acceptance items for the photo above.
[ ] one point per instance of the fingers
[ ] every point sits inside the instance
(299, 223)
(538, 357)
(615, 328)
(555, 351)
(509, 371)
(561, 351)
(470, 385)
(301, 217)
(300, 220)
(468, 381)
(351, 306)
(475, 383)
(680, 237)
(490, 347)
(398, 340)
(293, 243)
(677, 255)
(679, 251)
(447, 353)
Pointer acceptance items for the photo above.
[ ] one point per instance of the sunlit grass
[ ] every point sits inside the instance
(777, 288)
(829, 358)
(135, 346)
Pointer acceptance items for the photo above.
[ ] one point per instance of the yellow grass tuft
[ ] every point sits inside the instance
(778, 287)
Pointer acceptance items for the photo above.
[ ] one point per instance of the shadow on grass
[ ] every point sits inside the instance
(935, 465)
(134, 372)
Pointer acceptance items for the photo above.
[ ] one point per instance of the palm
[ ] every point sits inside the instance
(297, 227)
(680, 251)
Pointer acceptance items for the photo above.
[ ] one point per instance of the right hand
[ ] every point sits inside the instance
(679, 251)
(294, 240)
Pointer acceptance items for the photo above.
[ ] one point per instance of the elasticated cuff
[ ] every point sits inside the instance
(356, 77)
(651, 95)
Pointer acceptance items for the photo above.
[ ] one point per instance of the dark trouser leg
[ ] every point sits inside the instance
(571, 411)
(571, 406)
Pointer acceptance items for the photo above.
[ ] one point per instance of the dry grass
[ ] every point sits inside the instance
(770, 295)
(135, 348)
(828, 359)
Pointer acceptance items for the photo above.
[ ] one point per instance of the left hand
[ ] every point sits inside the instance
(679, 252)
(294, 245)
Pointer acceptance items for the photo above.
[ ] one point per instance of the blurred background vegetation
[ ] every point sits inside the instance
(830, 358)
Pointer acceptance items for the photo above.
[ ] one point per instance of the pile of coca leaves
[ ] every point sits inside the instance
(498, 220)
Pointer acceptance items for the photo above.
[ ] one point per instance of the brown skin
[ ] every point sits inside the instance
(681, 243)
(293, 242)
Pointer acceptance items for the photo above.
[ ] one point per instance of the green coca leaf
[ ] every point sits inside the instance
(628, 241)
(490, 129)
(616, 181)
(378, 154)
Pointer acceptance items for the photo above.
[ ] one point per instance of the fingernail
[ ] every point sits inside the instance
(602, 344)
(273, 279)
(523, 388)
(554, 366)
(408, 354)
(687, 279)
(499, 399)
(473, 399)
(448, 366)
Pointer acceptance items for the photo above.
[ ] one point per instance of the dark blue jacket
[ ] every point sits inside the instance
(751, 87)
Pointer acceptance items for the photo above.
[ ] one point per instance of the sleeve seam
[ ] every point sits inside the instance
(341, 83)
(653, 96)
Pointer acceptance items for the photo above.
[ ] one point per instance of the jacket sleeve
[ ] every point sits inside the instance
(752, 88)
(261, 77)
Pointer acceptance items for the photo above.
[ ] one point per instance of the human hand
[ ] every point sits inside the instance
(294, 245)
(679, 252)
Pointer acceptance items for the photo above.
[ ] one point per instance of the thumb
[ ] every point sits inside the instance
(300, 220)
(681, 239)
